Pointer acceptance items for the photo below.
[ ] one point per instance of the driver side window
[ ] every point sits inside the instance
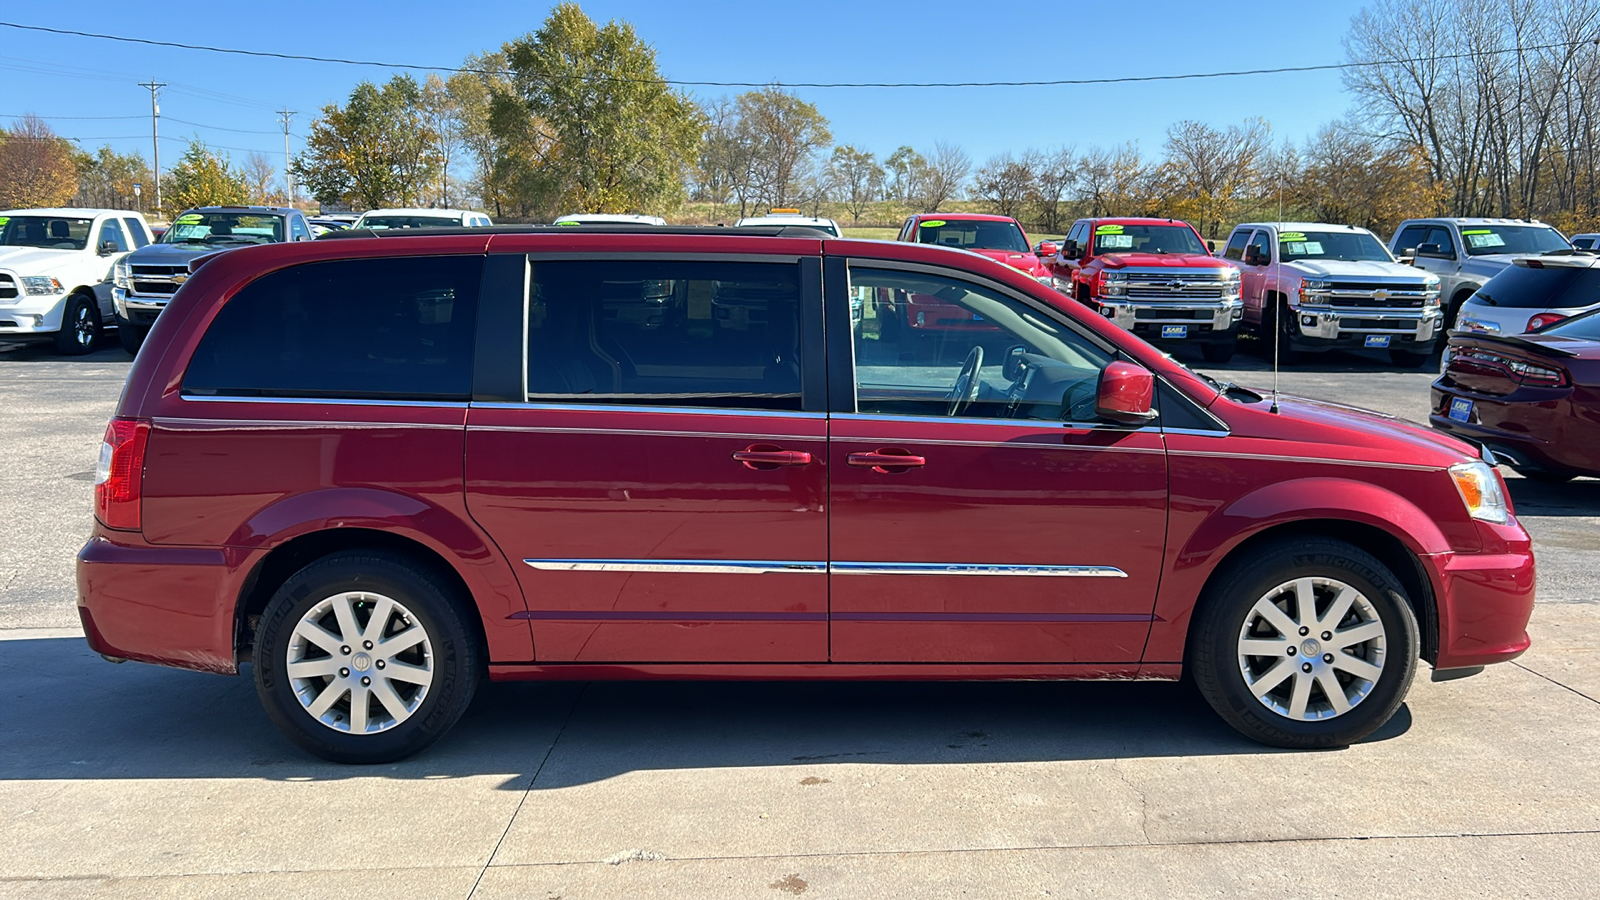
(928, 345)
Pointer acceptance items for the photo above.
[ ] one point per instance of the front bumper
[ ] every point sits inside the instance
(35, 314)
(1327, 327)
(1485, 599)
(1155, 321)
(140, 309)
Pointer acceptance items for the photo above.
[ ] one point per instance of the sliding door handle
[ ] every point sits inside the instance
(766, 456)
(886, 461)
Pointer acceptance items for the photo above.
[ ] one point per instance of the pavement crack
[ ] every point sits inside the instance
(1555, 682)
(567, 720)
(1144, 801)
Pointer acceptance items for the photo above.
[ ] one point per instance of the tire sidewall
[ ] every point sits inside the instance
(454, 658)
(67, 338)
(1225, 616)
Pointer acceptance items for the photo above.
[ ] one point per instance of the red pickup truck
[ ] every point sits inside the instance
(1155, 278)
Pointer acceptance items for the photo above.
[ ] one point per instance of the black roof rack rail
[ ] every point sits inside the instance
(793, 231)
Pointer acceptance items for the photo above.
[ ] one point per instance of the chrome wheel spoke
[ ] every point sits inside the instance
(1360, 668)
(1305, 603)
(1271, 678)
(1338, 609)
(405, 640)
(1263, 647)
(318, 635)
(344, 612)
(399, 671)
(325, 668)
(1275, 617)
(1360, 634)
(316, 668)
(1335, 693)
(325, 700)
(382, 608)
(358, 710)
(1301, 695)
(391, 701)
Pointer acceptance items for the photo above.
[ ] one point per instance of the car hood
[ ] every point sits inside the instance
(1341, 268)
(1170, 260)
(168, 254)
(36, 260)
(1350, 432)
(1024, 262)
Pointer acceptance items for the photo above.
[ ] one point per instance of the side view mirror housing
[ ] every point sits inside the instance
(108, 247)
(1046, 248)
(1070, 250)
(1434, 251)
(1253, 257)
(1126, 394)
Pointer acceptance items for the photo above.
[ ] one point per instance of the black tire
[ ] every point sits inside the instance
(1409, 359)
(80, 326)
(1220, 351)
(1216, 655)
(456, 657)
(131, 336)
(1276, 327)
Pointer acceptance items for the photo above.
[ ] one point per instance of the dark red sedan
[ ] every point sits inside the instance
(1533, 399)
(378, 469)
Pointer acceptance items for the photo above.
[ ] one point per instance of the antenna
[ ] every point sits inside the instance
(1277, 284)
(154, 87)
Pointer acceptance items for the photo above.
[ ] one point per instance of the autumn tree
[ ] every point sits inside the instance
(106, 179)
(1008, 183)
(905, 172)
(1355, 179)
(1209, 171)
(782, 135)
(376, 150)
(258, 173)
(858, 178)
(36, 166)
(621, 140)
(202, 178)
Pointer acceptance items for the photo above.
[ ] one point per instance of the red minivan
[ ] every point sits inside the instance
(379, 468)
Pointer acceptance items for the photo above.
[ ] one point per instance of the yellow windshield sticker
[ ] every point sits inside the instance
(1108, 229)
(190, 219)
(569, 223)
(4, 220)
(1292, 237)
(933, 223)
(1476, 231)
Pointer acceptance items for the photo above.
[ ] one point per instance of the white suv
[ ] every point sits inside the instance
(792, 217)
(389, 219)
(1533, 292)
(55, 272)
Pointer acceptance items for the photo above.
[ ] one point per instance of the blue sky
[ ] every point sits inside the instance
(824, 40)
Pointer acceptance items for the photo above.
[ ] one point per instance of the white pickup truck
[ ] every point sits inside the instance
(1466, 253)
(55, 272)
(1316, 287)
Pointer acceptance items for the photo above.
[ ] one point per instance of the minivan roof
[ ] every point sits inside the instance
(801, 231)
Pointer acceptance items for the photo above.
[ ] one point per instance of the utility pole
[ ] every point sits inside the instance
(284, 115)
(155, 86)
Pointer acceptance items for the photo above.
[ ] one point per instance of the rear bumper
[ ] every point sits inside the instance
(1485, 600)
(1528, 428)
(168, 605)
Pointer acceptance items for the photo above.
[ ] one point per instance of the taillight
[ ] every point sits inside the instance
(119, 476)
(1542, 319)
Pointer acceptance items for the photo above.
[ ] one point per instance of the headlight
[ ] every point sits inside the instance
(1480, 490)
(41, 284)
(1116, 277)
(122, 275)
(1312, 292)
(1048, 281)
(1114, 284)
(1064, 285)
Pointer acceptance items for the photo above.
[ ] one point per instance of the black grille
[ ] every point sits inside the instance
(8, 288)
(165, 288)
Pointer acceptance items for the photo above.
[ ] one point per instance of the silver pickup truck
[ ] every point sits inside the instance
(1315, 287)
(1466, 253)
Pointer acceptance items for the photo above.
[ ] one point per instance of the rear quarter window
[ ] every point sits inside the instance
(1553, 287)
(368, 329)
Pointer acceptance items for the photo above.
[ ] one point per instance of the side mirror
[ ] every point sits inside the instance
(1254, 257)
(1070, 250)
(1046, 248)
(1126, 394)
(109, 247)
(1434, 251)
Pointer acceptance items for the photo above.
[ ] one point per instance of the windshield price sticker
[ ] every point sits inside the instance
(4, 220)
(1303, 248)
(190, 219)
(1292, 237)
(1116, 242)
(933, 223)
(1109, 229)
(1477, 240)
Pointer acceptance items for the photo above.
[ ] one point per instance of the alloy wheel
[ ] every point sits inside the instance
(360, 662)
(83, 326)
(1312, 648)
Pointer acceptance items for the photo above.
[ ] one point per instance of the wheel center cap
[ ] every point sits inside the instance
(1308, 649)
(363, 662)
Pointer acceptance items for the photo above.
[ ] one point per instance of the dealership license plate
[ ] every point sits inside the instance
(1174, 331)
(1377, 340)
(1461, 410)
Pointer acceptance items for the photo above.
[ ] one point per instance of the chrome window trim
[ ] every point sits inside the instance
(184, 423)
(1221, 454)
(1035, 424)
(632, 408)
(893, 568)
(648, 432)
(327, 401)
(678, 566)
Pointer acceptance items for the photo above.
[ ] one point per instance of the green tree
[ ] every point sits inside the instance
(858, 178)
(202, 178)
(621, 140)
(106, 179)
(377, 150)
(783, 134)
(36, 166)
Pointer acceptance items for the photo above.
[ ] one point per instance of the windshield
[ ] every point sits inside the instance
(973, 235)
(385, 223)
(213, 229)
(1552, 287)
(1482, 240)
(49, 232)
(1147, 239)
(1351, 246)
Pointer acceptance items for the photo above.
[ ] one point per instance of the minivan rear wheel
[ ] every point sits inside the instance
(365, 657)
(1307, 644)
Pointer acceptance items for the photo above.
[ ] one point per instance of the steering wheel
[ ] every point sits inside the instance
(965, 390)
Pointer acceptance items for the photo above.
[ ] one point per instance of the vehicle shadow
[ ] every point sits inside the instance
(106, 350)
(1579, 497)
(70, 715)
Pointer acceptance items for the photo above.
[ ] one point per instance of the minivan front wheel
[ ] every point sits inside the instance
(1308, 644)
(364, 657)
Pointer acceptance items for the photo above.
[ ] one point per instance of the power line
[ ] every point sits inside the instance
(64, 118)
(1061, 82)
(216, 127)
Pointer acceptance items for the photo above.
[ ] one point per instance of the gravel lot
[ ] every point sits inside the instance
(135, 781)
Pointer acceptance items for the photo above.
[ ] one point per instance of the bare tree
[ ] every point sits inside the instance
(783, 134)
(945, 177)
(258, 174)
(1007, 183)
(1208, 170)
(1055, 174)
(858, 179)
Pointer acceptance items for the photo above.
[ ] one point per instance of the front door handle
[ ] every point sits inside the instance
(886, 461)
(767, 456)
